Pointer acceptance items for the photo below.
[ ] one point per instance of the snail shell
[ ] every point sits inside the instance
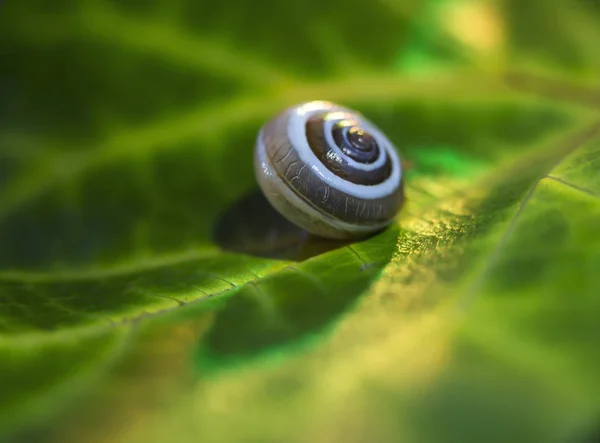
(329, 170)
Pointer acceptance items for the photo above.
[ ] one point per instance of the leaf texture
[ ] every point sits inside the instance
(146, 285)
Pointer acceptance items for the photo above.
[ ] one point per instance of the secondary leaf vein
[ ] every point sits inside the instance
(574, 186)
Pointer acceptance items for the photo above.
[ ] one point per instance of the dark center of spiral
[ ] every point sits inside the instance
(356, 143)
(360, 140)
(356, 146)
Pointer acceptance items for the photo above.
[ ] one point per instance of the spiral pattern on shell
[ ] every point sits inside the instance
(329, 170)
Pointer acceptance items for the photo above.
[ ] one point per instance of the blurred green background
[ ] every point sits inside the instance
(149, 294)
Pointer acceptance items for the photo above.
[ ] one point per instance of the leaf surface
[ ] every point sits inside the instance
(140, 267)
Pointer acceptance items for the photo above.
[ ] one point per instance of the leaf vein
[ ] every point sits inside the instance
(574, 186)
(574, 142)
(156, 262)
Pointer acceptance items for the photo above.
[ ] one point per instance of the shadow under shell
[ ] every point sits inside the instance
(252, 226)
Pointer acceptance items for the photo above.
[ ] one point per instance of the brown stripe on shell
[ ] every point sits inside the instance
(308, 185)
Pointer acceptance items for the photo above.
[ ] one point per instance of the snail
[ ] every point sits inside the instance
(329, 170)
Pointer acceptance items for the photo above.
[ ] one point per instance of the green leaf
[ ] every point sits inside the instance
(56, 367)
(537, 34)
(146, 285)
(531, 338)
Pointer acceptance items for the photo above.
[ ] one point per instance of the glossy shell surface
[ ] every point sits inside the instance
(329, 170)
